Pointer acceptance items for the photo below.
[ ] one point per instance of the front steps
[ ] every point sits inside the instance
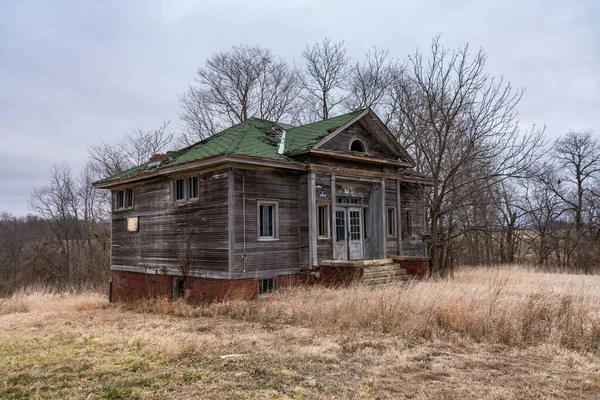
(370, 272)
(375, 275)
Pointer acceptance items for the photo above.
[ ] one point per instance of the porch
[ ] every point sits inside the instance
(371, 272)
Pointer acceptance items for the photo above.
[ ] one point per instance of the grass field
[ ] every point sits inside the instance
(486, 334)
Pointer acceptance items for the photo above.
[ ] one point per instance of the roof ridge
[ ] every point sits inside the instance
(357, 111)
(239, 137)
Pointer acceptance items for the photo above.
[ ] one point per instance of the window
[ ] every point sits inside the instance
(357, 145)
(129, 198)
(124, 199)
(120, 204)
(185, 188)
(323, 218)
(179, 190)
(267, 285)
(391, 222)
(406, 223)
(192, 186)
(340, 225)
(267, 220)
(178, 287)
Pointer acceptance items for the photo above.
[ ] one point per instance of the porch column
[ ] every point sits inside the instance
(399, 216)
(312, 220)
(384, 221)
(332, 229)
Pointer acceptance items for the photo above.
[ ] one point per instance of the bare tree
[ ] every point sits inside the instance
(234, 86)
(136, 148)
(462, 124)
(369, 82)
(578, 158)
(324, 76)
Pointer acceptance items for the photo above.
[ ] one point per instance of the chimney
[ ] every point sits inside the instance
(158, 158)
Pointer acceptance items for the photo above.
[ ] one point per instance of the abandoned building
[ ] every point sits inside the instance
(263, 204)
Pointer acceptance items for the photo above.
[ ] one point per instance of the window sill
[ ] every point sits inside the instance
(122, 209)
(324, 238)
(268, 239)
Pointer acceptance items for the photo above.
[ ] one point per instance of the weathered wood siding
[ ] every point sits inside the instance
(412, 199)
(341, 142)
(303, 220)
(266, 257)
(166, 226)
(324, 246)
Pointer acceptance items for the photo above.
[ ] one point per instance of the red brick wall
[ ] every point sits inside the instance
(127, 286)
(417, 268)
(211, 290)
(334, 276)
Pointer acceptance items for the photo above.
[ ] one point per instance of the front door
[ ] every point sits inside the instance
(355, 234)
(348, 233)
(341, 239)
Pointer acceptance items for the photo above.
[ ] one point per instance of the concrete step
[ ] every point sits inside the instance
(377, 274)
(384, 280)
(356, 263)
(384, 274)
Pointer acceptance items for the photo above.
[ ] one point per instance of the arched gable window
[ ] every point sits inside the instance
(358, 146)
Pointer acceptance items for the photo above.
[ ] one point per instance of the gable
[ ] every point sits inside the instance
(371, 133)
(343, 140)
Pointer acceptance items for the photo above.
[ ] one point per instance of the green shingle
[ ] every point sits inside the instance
(306, 136)
(255, 138)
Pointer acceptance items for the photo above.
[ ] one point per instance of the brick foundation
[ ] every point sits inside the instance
(415, 266)
(339, 276)
(129, 286)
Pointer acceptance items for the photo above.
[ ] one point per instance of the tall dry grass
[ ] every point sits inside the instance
(47, 297)
(512, 306)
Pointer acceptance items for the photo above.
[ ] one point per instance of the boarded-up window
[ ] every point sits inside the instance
(323, 218)
(267, 220)
(391, 222)
(406, 223)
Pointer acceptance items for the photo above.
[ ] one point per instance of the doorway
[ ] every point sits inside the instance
(349, 233)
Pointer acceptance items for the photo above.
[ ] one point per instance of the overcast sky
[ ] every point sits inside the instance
(74, 73)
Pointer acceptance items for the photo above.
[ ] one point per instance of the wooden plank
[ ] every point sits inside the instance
(398, 217)
(166, 225)
(312, 220)
(231, 218)
(383, 217)
(332, 218)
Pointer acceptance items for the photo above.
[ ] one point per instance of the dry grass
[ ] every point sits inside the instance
(487, 334)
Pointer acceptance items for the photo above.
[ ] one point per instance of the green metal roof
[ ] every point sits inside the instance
(254, 138)
(306, 136)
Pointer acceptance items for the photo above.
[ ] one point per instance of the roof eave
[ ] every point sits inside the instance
(353, 157)
(199, 164)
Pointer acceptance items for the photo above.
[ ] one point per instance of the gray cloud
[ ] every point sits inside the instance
(74, 73)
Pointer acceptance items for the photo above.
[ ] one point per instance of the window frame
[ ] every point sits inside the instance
(187, 183)
(327, 221)
(275, 204)
(391, 223)
(363, 144)
(274, 286)
(193, 182)
(128, 197)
